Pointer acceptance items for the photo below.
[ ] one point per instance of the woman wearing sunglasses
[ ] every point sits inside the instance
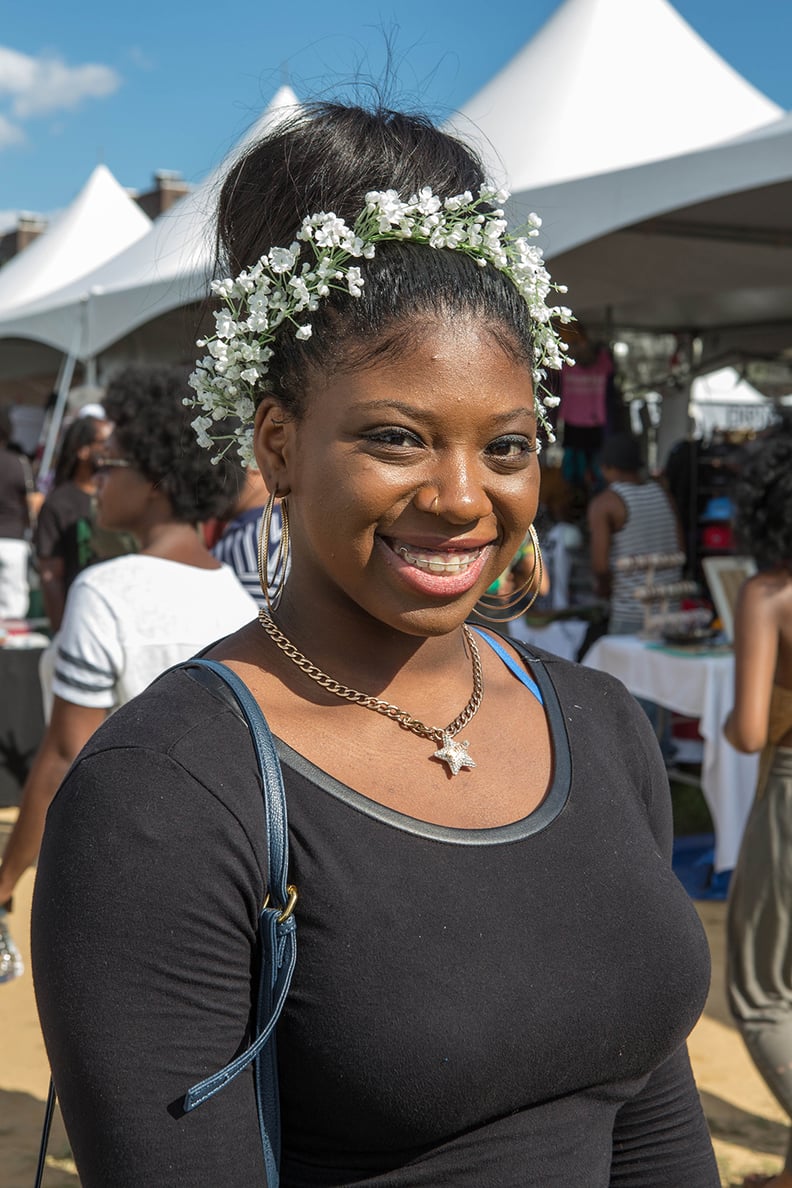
(128, 619)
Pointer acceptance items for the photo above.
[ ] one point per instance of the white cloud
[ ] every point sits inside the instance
(44, 84)
(9, 133)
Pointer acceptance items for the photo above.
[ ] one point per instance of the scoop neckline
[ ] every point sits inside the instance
(535, 822)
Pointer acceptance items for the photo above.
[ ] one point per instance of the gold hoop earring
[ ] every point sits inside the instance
(511, 606)
(282, 557)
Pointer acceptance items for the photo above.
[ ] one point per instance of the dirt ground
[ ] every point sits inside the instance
(748, 1127)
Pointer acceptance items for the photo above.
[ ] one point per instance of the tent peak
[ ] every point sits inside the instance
(168, 266)
(100, 221)
(616, 83)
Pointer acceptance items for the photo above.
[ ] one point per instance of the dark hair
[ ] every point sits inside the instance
(236, 476)
(6, 428)
(82, 432)
(152, 428)
(622, 451)
(763, 497)
(328, 158)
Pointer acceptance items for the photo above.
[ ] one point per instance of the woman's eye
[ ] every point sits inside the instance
(391, 435)
(511, 448)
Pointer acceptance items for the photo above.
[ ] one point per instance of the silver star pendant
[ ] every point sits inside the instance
(454, 754)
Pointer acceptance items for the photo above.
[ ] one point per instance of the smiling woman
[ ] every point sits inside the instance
(496, 828)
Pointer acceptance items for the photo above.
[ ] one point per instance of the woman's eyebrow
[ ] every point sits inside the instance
(419, 413)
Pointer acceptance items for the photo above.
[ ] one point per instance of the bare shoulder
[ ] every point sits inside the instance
(767, 589)
(607, 505)
(764, 606)
(245, 652)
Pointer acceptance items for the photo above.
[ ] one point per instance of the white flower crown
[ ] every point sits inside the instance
(279, 288)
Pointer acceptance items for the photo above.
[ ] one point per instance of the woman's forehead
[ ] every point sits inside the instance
(464, 372)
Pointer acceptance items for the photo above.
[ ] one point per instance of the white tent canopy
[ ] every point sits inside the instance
(169, 267)
(696, 242)
(100, 222)
(723, 400)
(607, 84)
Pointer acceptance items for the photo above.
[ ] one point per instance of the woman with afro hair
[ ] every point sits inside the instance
(760, 901)
(128, 619)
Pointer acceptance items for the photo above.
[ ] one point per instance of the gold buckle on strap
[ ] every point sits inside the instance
(288, 910)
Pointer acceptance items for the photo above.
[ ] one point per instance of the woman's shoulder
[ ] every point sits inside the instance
(114, 573)
(182, 716)
(180, 752)
(68, 495)
(169, 779)
(768, 583)
(566, 675)
(764, 600)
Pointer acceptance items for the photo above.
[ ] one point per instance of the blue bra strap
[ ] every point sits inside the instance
(512, 664)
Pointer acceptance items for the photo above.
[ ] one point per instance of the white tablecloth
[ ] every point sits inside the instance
(699, 686)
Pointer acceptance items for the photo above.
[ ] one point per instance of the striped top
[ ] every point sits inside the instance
(650, 528)
(238, 548)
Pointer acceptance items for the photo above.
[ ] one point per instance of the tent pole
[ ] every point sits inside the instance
(44, 431)
(66, 377)
(64, 384)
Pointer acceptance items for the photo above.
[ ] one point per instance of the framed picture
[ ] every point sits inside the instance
(724, 577)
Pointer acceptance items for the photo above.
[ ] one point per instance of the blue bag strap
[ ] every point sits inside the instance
(277, 934)
(511, 664)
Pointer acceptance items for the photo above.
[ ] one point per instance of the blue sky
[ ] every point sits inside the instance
(149, 86)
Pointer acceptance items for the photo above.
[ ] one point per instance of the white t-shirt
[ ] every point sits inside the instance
(129, 619)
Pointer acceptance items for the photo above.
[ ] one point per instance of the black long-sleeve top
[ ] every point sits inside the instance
(501, 1008)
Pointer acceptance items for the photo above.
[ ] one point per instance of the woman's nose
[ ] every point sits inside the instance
(459, 494)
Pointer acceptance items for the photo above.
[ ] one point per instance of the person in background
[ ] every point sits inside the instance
(62, 539)
(587, 394)
(759, 922)
(497, 967)
(11, 963)
(632, 517)
(130, 618)
(561, 539)
(238, 544)
(14, 527)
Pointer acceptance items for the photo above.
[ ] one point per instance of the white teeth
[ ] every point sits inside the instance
(458, 564)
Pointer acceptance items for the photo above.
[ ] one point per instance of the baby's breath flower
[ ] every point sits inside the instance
(200, 425)
(287, 281)
(282, 259)
(354, 279)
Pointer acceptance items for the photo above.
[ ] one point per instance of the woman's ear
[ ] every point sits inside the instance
(272, 438)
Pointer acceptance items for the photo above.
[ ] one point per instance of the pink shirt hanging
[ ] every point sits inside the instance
(584, 389)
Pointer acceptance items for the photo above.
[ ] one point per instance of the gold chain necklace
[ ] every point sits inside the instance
(451, 752)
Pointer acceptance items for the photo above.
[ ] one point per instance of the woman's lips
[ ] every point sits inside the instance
(437, 571)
